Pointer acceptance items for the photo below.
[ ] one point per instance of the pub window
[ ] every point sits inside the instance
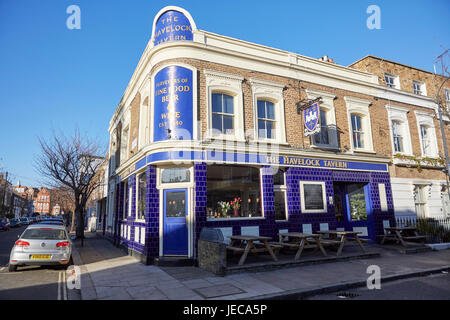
(233, 192)
(175, 175)
(125, 200)
(142, 189)
(266, 119)
(222, 113)
(279, 191)
(313, 197)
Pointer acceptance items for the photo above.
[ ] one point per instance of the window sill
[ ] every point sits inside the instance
(363, 151)
(280, 221)
(325, 146)
(234, 219)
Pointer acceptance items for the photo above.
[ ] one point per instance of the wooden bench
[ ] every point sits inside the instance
(415, 238)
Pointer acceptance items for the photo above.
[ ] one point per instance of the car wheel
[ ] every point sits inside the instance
(12, 268)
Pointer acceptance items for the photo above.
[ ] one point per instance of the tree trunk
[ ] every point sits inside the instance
(80, 224)
(72, 227)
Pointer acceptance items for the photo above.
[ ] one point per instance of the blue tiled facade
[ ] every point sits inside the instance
(268, 226)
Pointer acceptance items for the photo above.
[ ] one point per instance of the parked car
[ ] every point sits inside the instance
(24, 221)
(41, 245)
(4, 224)
(15, 223)
(52, 221)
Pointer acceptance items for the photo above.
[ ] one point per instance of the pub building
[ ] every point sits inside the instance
(221, 133)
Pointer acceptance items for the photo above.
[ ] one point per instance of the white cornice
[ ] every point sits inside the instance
(223, 75)
(323, 94)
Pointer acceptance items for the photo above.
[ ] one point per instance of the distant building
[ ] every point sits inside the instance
(42, 201)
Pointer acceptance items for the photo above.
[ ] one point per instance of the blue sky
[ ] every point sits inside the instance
(53, 77)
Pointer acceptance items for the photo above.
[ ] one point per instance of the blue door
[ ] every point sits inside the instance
(175, 230)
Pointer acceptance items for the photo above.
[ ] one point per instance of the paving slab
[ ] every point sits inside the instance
(109, 273)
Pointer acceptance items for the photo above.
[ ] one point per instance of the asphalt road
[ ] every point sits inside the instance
(432, 287)
(32, 282)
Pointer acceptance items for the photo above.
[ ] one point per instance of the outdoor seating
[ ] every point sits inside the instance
(301, 241)
(402, 235)
(249, 244)
(345, 236)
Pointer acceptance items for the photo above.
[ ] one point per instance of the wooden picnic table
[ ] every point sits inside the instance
(344, 236)
(301, 241)
(246, 245)
(402, 235)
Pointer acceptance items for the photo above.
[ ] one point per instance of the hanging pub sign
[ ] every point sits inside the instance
(311, 119)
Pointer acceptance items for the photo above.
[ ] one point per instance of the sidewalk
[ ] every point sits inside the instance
(108, 273)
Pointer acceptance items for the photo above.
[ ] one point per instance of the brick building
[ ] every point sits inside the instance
(208, 121)
(42, 201)
(415, 135)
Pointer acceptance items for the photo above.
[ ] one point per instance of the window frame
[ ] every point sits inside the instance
(270, 91)
(422, 88)
(262, 217)
(395, 81)
(400, 114)
(283, 189)
(125, 204)
(302, 197)
(138, 192)
(427, 120)
(360, 107)
(327, 106)
(223, 114)
(231, 84)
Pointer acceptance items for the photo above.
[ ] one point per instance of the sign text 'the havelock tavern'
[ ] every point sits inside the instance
(297, 161)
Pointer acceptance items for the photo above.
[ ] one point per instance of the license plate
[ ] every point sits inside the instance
(40, 256)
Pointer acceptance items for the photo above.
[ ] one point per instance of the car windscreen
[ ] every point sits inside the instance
(45, 234)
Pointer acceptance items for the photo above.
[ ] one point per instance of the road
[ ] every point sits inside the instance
(32, 282)
(432, 287)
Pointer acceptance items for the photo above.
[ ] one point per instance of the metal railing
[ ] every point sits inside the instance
(436, 229)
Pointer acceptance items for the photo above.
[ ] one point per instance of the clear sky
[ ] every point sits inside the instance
(53, 77)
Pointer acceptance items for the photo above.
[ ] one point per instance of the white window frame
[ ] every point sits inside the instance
(144, 114)
(360, 107)
(422, 88)
(130, 199)
(124, 150)
(124, 208)
(282, 188)
(137, 195)
(231, 84)
(327, 105)
(273, 92)
(401, 115)
(302, 197)
(426, 119)
(447, 97)
(396, 81)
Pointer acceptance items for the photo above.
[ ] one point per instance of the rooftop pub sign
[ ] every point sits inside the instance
(172, 25)
(311, 119)
(173, 111)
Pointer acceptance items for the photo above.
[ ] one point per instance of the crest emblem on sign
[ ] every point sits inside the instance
(311, 119)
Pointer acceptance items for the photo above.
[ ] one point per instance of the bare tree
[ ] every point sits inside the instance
(71, 162)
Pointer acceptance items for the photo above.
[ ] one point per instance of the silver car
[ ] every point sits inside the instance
(41, 245)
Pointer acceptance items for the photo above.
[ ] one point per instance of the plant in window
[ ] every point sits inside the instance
(236, 204)
(224, 207)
